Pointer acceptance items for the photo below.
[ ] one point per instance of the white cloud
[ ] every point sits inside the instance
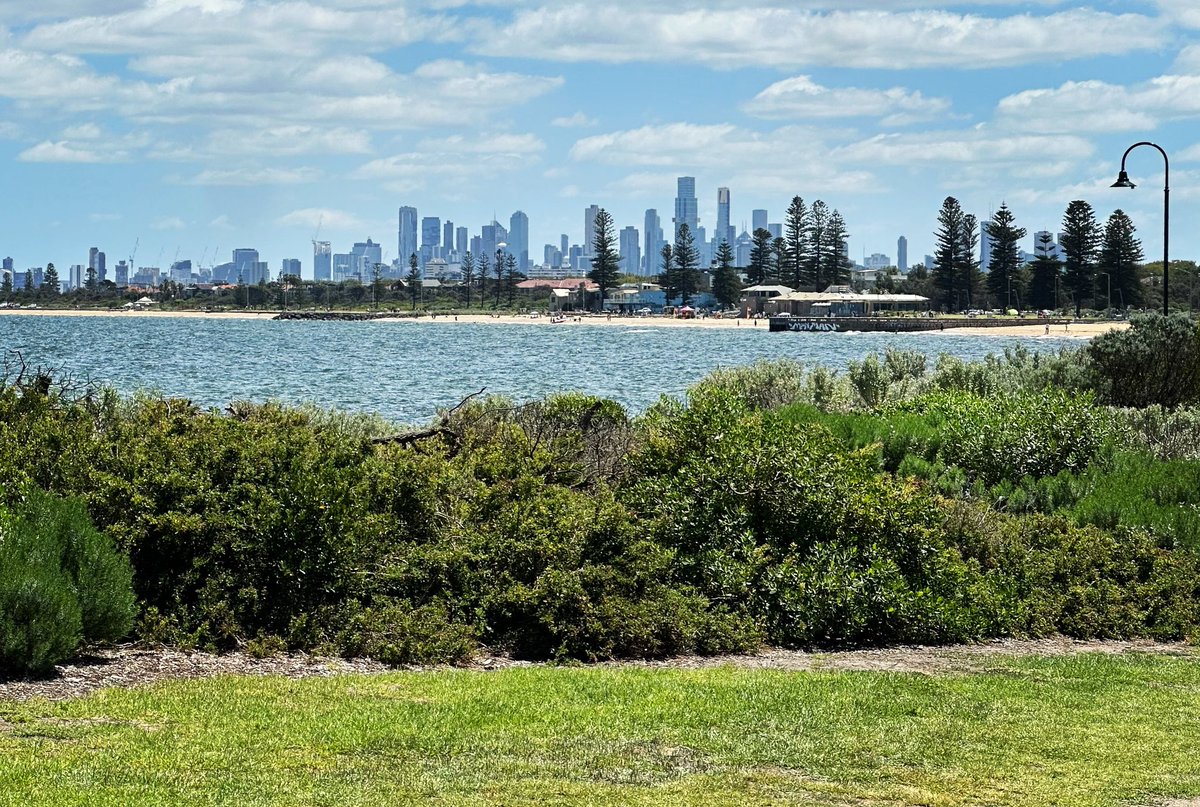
(255, 176)
(788, 37)
(1097, 106)
(1181, 12)
(310, 218)
(977, 146)
(800, 97)
(104, 216)
(453, 160)
(700, 145)
(169, 223)
(221, 222)
(82, 131)
(578, 120)
(62, 152)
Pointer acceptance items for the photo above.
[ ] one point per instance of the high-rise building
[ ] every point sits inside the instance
(96, 262)
(180, 272)
(364, 257)
(653, 235)
(631, 250)
(122, 275)
(290, 266)
(686, 206)
(758, 220)
(775, 229)
(494, 235)
(902, 254)
(724, 232)
(322, 261)
(407, 240)
(1049, 247)
(589, 227)
(477, 247)
(448, 240)
(551, 256)
(742, 249)
(564, 245)
(462, 243)
(985, 245)
(245, 267)
(75, 276)
(431, 239)
(518, 239)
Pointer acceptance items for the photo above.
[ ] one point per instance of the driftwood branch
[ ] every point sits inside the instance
(439, 429)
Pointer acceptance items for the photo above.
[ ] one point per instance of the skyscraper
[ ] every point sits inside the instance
(447, 239)
(291, 266)
(363, 259)
(518, 239)
(686, 207)
(564, 244)
(723, 232)
(758, 220)
(985, 244)
(461, 242)
(322, 261)
(631, 251)
(653, 234)
(589, 227)
(245, 266)
(407, 241)
(96, 261)
(902, 254)
(431, 239)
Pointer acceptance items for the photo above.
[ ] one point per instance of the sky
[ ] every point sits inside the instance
(191, 127)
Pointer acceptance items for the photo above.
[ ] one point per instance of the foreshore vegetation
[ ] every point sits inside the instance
(903, 501)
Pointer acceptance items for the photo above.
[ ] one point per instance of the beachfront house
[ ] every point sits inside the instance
(843, 301)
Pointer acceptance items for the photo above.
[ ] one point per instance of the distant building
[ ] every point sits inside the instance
(407, 234)
(723, 232)
(448, 240)
(518, 239)
(322, 261)
(75, 276)
(248, 269)
(775, 229)
(431, 239)
(653, 235)
(122, 275)
(686, 205)
(902, 254)
(758, 220)
(181, 273)
(631, 250)
(462, 243)
(290, 266)
(364, 256)
(589, 228)
(876, 261)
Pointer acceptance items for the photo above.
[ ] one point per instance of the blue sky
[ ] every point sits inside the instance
(194, 126)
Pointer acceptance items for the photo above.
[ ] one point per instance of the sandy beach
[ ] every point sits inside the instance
(1033, 328)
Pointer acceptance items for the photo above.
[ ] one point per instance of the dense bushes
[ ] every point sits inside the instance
(775, 505)
(62, 583)
(1155, 361)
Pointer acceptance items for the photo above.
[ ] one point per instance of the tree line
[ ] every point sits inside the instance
(1088, 251)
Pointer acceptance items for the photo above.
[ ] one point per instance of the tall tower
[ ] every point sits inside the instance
(758, 220)
(447, 239)
(322, 261)
(653, 234)
(723, 232)
(902, 254)
(631, 251)
(518, 239)
(686, 207)
(461, 242)
(407, 241)
(589, 227)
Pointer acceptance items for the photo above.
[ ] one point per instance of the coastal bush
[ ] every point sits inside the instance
(781, 520)
(1155, 361)
(1168, 434)
(765, 384)
(62, 584)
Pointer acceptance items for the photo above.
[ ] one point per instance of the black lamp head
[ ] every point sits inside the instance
(1123, 181)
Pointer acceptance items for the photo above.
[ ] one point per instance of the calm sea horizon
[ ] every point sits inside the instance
(406, 371)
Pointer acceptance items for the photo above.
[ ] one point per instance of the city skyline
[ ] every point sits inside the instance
(193, 127)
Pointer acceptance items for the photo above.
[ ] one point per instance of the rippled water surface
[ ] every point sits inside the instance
(406, 370)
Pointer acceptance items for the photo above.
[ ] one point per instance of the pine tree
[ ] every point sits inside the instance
(413, 280)
(606, 260)
(468, 274)
(777, 273)
(687, 262)
(482, 267)
(948, 253)
(1081, 246)
(50, 284)
(794, 259)
(727, 288)
(511, 276)
(28, 281)
(818, 219)
(666, 276)
(6, 286)
(970, 279)
(1120, 256)
(835, 262)
(90, 279)
(1004, 278)
(760, 257)
(498, 269)
(1046, 274)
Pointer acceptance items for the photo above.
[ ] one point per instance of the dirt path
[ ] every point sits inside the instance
(131, 666)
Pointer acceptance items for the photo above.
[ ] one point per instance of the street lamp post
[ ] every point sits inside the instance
(1123, 182)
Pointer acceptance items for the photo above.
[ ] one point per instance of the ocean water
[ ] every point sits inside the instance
(405, 371)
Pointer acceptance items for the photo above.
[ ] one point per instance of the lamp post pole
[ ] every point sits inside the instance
(1123, 182)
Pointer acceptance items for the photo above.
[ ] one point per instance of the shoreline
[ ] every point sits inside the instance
(1034, 329)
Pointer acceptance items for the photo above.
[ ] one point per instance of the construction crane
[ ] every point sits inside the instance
(132, 255)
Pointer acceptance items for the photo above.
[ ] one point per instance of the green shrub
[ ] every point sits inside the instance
(1155, 361)
(765, 384)
(61, 584)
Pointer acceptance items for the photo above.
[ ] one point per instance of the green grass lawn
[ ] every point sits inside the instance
(1083, 730)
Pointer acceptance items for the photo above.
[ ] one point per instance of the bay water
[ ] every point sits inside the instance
(406, 371)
